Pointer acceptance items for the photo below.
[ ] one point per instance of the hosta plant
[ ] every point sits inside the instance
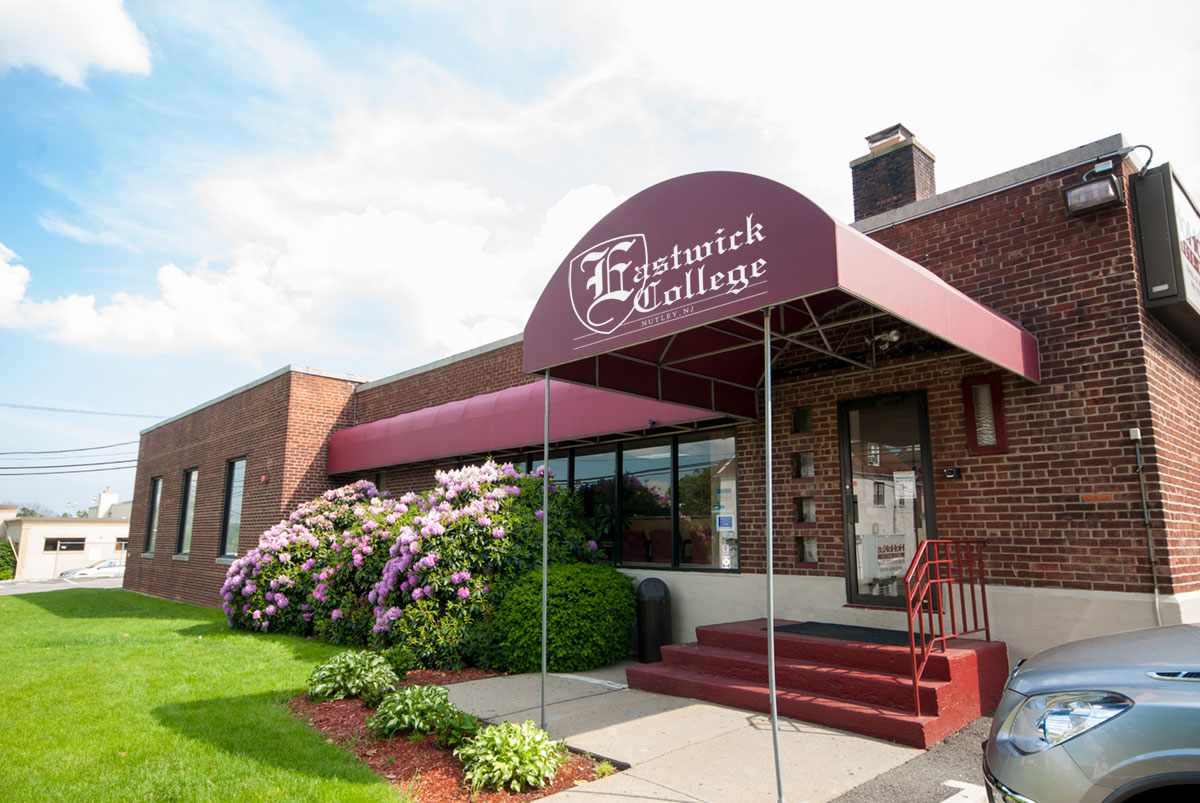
(365, 675)
(513, 756)
(420, 710)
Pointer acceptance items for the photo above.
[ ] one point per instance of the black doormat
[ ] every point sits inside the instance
(871, 635)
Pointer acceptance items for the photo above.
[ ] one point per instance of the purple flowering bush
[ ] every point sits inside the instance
(302, 567)
(354, 567)
(470, 538)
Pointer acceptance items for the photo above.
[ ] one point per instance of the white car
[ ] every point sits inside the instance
(105, 568)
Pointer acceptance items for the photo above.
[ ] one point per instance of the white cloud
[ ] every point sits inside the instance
(13, 278)
(433, 285)
(56, 225)
(68, 38)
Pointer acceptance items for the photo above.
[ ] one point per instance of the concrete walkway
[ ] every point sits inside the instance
(679, 749)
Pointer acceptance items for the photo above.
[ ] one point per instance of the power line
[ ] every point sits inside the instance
(70, 465)
(35, 459)
(74, 471)
(82, 412)
(80, 449)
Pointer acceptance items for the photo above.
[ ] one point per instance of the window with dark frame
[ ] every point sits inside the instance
(879, 495)
(187, 511)
(668, 501)
(801, 420)
(983, 405)
(152, 518)
(63, 545)
(231, 518)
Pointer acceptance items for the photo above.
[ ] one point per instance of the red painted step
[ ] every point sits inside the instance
(854, 686)
(875, 688)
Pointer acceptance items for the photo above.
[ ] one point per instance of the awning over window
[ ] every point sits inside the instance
(505, 419)
(663, 298)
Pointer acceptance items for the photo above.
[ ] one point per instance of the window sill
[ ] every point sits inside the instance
(149, 554)
(226, 560)
(180, 556)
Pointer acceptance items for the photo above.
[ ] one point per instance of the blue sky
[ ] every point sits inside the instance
(197, 193)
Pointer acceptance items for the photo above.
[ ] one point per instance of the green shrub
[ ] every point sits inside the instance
(8, 561)
(400, 659)
(420, 710)
(435, 632)
(516, 756)
(365, 675)
(590, 609)
(467, 542)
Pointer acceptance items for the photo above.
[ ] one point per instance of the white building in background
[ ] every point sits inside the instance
(108, 505)
(47, 547)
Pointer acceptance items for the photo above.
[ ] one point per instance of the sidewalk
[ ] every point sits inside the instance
(679, 749)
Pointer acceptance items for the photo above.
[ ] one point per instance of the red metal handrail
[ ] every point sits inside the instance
(942, 570)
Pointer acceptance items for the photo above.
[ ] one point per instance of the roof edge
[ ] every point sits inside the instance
(997, 183)
(444, 361)
(287, 369)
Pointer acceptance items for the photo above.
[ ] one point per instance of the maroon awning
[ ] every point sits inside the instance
(662, 298)
(505, 419)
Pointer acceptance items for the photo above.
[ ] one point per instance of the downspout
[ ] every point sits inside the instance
(1135, 435)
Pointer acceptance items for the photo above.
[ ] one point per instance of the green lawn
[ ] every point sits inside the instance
(109, 695)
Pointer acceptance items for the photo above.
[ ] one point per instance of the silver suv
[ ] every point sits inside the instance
(1114, 719)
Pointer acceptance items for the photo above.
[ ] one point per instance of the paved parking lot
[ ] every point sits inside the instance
(35, 586)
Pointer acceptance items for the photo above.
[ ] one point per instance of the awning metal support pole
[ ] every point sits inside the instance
(767, 435)
(545, 532)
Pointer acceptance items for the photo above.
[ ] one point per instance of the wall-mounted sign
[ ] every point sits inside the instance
(1168, 227)
(906, 484)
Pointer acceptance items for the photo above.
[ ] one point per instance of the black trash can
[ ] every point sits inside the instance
(653, 619)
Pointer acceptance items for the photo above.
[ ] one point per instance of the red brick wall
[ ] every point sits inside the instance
(1174, 438)
(319, 406)
(483, 373)
(255, 425)
(1062, 508)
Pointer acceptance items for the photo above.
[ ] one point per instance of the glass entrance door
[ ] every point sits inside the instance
(887, 492)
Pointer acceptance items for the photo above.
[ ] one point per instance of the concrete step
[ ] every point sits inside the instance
(880, 722)
(856, 686)
(751, 636)
(811, 677)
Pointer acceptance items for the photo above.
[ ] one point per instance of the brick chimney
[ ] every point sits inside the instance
(897, 171)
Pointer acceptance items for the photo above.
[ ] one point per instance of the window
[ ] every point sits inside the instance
(122, 545)
(806, 509)
(595, 472)
(669, 501)
(806, 549)
(152, 519)
(801, 420)
(231, 519)
(983, 404)
(706, 468)
(803, 466)
(380, 482)
(184, 545)
(878, 499)
(873, 454)
(647, 502)
(63, 545)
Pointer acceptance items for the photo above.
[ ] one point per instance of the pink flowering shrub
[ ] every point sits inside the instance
(300, 570)
(354, 567)
(471, 537)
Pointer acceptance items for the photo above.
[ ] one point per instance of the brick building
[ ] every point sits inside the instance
(887, 432)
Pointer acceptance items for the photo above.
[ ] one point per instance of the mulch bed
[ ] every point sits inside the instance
(423, 770)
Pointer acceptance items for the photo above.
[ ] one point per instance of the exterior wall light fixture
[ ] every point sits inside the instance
(1100, 189)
